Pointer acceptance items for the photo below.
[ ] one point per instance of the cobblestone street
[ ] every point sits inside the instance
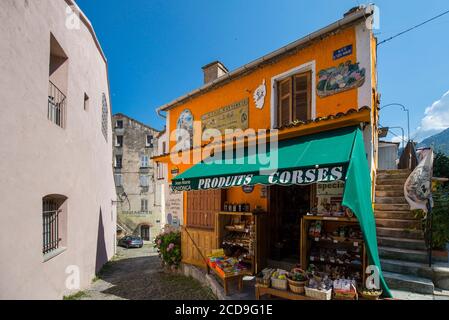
(136, 274)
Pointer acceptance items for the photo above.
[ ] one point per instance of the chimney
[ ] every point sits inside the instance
(354, 10)
(213, 71)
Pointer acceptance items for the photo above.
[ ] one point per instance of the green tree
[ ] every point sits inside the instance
(441, 165)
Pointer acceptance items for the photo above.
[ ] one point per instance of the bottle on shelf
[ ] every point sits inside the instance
(225, 207)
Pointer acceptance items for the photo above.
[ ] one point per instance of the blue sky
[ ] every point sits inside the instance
(156, 48)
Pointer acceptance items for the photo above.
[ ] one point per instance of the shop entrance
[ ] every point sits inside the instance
(287, 205)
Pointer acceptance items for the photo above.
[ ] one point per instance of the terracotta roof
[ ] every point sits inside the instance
(298, 123)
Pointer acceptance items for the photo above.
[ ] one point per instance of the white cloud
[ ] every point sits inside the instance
(436, 119)
(396, 139)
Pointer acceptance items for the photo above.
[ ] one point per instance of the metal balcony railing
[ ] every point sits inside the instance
(56, 105)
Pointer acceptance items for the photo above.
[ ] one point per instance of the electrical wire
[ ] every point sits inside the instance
(414, 27)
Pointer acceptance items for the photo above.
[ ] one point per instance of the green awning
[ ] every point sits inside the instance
(323, 157)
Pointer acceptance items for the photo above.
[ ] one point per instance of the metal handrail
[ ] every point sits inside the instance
(56, 105)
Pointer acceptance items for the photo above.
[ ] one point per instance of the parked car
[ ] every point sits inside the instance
(131, 242)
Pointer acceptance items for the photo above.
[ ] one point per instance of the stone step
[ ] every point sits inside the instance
(407, 268)
(400, 175)
(409, 283)
(419, 256)
(390, 193)
(390, 187)
(391, 200)
(394, 171)
(399, 233)
(404, 215)
(396, 181)
(391, 207)
(399, 223)
(401, 243)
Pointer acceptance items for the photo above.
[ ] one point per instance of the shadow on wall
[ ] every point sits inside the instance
(102, 255)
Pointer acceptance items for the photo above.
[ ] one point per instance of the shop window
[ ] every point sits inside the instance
(294, 99)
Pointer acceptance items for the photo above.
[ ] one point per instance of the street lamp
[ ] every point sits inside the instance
(402, 130)
(408, 115)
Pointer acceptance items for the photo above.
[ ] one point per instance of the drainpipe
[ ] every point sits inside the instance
(158, 111)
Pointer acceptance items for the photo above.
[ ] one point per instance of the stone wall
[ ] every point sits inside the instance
(131, 213)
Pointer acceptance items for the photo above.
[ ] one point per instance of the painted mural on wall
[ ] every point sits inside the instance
(259, 95)
(334, 80)
(184, 126)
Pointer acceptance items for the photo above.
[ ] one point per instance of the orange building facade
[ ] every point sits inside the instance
(322, 82)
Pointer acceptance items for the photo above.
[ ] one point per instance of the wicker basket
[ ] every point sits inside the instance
(280, 284)
(318, 294)
(263, 281)
(370, 297)
(296, 286)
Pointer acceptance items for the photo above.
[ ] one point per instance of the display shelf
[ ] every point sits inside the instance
(315, 260)
(246, 239)
(234, 229)
(338, 240)
(235, 213)
(329, 218)
(326, 241)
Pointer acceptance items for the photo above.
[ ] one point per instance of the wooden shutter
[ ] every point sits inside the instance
(284, 102)
(302, 97)
(202, 205)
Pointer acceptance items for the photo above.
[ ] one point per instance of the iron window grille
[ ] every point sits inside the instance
(56, 105)
(50, 226)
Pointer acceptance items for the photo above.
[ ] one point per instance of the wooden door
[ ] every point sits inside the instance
(199, 236)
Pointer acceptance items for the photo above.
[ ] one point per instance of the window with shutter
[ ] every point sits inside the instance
(285, 97)
(294, 98)
(301, 109)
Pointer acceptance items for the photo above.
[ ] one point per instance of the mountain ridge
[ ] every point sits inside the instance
(439, 142)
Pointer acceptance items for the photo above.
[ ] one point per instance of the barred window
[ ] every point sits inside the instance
(104, 117)
(53, 222)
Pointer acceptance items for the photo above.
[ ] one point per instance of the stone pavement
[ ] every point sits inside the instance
(136, 274)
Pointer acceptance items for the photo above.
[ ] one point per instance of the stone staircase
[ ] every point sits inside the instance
(400, 237)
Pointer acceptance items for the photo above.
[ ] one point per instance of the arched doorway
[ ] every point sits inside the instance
(145, 232)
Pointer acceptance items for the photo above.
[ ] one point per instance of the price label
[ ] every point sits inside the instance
(356, 244)
(312, 258)
(322, 259)
(335, 241)
(332, 260)
(317, 239)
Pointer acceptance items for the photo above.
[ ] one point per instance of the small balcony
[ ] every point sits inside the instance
(56, 105)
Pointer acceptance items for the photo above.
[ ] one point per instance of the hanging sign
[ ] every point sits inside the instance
(248, 189)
